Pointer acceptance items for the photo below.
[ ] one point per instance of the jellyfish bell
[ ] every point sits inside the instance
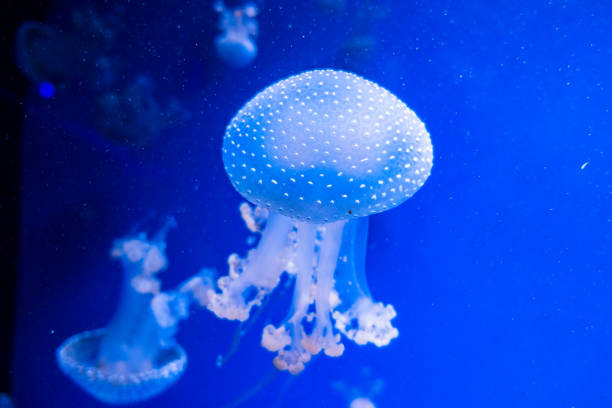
(321, 151)
(135, 357)
(236, 44)
(326, 145)
(236, 50)
(78, 357)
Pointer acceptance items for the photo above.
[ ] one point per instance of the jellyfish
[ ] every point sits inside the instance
(38, 54)
(361, 402)
(5, 401)
(75, 56)
(136, 356)
(236, 45)
(331, 6)
(318, 153)
(133, 115)
(360, 396)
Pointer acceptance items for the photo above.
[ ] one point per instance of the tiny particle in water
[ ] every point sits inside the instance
(46, 90)
(584, 165)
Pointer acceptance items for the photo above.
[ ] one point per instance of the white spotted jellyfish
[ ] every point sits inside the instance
(317, 154)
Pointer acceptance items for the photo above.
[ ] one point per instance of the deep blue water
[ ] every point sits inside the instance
(499, 267)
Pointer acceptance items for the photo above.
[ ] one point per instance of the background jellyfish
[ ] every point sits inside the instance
(331, 6)
(361, 43)
(5, 401)
(83, 60)
(133, 115)
(360, 395)
(236, 44)
(135, 357)
(71, 56)
(320, 151)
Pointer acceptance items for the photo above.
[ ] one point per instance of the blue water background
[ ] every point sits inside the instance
(499, 268)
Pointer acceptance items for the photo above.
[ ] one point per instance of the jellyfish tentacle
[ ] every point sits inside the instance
(322, 337)
(252, 278)
(364, 321)
(287, 339)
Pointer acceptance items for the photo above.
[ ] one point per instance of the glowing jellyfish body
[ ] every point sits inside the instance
(135, 357)
(362, 403)
(6, 401)
(317, 153)
(236, 44)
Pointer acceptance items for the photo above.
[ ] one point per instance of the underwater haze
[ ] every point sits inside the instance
(324, 203)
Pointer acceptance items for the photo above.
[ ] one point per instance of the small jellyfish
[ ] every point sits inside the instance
(135, 357)
(39, 54)
(5, 401)
(360, 395)
(236, 44)
(320, 151)
(133, 115)
(362, 402)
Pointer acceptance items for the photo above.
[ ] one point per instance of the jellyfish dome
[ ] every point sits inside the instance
(78, 358)
(326, 145)
(317, 153)
(135, 357)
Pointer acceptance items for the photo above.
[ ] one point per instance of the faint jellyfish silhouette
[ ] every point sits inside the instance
(135, 357)
(331, 6)
(68, 56)
(39, 54)
(5, 401)
(360, 43)
(321, 151)
(84, 60)
(361, 402)
(360, 395)
(132, 114)
(236, 44)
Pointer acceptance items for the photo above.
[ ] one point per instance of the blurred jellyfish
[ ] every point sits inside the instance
(5, 401)
(331, 6)
(135, 357)
(360, 43)
(361, 402)
(85, 61)
(317, 153)
(72, 56)
(38, 54)
(236, 44)
(132, 115)
(360, 395)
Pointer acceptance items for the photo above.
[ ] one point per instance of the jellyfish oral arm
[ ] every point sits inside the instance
(287, 339)
(322, 336)
(252, 278)
(328, 263)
